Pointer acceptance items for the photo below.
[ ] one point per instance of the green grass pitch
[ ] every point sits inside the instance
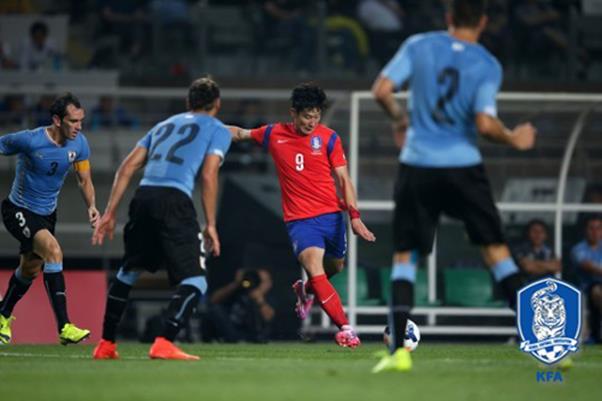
(291, 371)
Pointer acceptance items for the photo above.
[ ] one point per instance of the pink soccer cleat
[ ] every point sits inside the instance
(304, 300)
(347, 337)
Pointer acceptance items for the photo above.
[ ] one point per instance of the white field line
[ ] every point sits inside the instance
(62, 356)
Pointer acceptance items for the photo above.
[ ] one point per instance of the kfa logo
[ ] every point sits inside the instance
(549, 319)
(316, 144)
(548, 377)
(72, 156)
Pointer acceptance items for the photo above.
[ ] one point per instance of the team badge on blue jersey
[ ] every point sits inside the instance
(549, 319)
(316, 143)
(72, 156)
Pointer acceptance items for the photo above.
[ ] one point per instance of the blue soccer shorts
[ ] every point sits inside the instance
(326, 231)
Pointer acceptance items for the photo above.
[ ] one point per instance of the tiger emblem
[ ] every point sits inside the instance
(549, 319)
(549, 313)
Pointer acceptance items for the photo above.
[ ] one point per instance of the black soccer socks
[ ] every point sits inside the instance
(180, 308)
(117, 299)
(510, 286)
(16, 289)
(55, 287)
(402, 302)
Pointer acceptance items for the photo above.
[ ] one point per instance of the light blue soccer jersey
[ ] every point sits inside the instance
(583, 252)
(177, 148)
(450, 81)
(42, 166)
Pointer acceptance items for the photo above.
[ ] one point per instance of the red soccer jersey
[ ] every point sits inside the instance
(304, 164)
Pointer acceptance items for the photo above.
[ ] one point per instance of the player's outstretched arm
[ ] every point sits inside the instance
(348, 193)
(11, 144)
(132, 163)
(383, 90)
(86, 187)
(209, 200)
(522, 137)
(239, 134)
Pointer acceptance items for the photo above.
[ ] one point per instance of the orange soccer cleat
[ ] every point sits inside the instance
(105, 350)
(162, 348)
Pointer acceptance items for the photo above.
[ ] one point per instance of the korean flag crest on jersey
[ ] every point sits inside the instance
(316, 144)
(549, 319)
(71, 156)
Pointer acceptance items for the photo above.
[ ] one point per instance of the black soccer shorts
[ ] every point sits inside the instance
(163, 232)
(423, 193)
(23, 224)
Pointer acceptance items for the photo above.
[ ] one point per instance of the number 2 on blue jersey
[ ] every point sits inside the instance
(451, 77)
(164, 132)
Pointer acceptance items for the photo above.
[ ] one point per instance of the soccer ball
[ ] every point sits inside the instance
(411, 339)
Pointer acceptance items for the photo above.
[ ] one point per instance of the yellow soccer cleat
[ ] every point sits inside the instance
(565, 364)
(5, 332)
(400, 361)
(71, 334)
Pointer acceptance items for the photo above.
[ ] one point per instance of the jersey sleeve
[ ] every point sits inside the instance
(17, 142)
(485, 101)
(258, 134)
(84, 151)
(336, 155)
(399, 69)
(220, 142)
(145, 141)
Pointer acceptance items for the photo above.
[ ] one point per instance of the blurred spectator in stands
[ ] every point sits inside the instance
(422, 16)
(497, 35)
(540, 32)
(6, 60)
(39, 51)
(174, 24)
(12, 111)
(107, 114)
(347, 41)
(171, 12)
(240, 310)
(383, 20)
(289, 20)
(534, 256)
(129, 22)
(587, 258)
(40, 113)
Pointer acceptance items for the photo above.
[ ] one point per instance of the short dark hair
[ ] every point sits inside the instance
(590, 218)
(59, 105)
(38, 26)
(535, 222)
(308, 95)
(467, 13)
(202, 94)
